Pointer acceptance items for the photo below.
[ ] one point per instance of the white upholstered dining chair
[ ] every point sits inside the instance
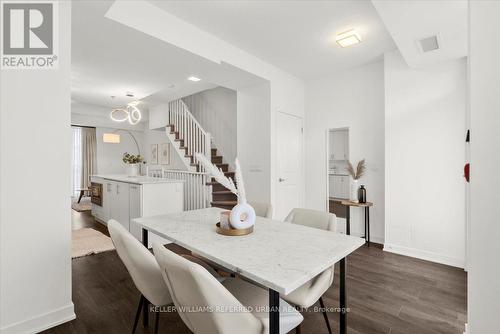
(311, 292)
(143, 269)
(193, 288)
(262, 209)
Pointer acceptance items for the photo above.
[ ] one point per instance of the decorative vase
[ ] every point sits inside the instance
(362, 194)
(242, 216)
(132, 170)
(354, 191)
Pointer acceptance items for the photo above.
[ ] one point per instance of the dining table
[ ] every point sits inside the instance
(278, 256)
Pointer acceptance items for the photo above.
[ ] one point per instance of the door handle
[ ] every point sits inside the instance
(281, 180)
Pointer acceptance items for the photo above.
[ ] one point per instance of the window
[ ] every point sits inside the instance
(77, 160)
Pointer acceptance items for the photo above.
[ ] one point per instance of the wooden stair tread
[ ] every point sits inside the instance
(220, 192)
(224, 202)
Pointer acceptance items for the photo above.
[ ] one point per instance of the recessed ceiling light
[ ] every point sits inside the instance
(348, 38)
(192, 78)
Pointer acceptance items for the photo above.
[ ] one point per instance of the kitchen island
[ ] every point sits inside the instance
(124, 198)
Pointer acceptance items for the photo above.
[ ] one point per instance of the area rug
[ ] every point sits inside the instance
(87, 241)
(84, 205)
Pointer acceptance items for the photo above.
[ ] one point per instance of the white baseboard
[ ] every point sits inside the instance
(425, 255)
(42, 322)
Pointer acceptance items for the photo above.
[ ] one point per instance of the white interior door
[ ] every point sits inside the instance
(289, 173)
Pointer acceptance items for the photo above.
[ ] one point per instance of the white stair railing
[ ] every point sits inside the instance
(196, 139)
(196, 194)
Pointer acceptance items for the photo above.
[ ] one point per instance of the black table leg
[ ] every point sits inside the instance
(366, 225)
(81, 195)
(347, 220)
(274, 312)
(343, 302)
(145, 306)
(367, 213)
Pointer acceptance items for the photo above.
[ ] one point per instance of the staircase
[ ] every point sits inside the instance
(188, 138)
(221, 197)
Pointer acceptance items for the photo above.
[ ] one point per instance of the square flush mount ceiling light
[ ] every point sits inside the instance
(348, 38)
(192, 78)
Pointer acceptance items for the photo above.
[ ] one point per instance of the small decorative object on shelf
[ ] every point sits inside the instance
(133, 163)
(356, 175)
(362, 194)
(242, 216)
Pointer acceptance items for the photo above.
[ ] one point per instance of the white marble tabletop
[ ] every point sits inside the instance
(278, 255)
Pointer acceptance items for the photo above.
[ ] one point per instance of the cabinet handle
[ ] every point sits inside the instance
(133, 187)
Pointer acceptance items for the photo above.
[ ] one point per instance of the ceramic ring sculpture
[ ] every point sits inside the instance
(242, 216)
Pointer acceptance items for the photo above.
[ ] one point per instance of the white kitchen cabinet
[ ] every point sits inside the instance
(345, 186)
(339, 186)
(135, 206)
(129, 198)
(118, 199)
(339, 145)
(331, 185)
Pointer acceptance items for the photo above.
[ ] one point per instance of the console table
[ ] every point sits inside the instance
(366, 206)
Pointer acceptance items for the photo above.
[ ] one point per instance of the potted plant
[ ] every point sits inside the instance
(133, 163)
(356, 175)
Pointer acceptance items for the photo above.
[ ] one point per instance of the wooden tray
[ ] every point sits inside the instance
(233, 232)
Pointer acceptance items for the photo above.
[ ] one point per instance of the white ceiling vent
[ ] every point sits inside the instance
(429, 44)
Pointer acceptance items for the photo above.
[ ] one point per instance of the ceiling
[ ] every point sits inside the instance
(409, 21)
(297, 36)
(109, 58)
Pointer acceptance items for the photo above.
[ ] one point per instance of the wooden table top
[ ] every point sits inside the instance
(350, 203)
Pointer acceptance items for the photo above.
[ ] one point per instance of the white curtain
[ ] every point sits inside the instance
(76, 161)
(89, 161)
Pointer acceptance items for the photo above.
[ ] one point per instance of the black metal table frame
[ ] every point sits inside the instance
(367, 222)
(274, 300)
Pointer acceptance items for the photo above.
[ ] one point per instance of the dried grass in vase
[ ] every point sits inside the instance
(360, 169)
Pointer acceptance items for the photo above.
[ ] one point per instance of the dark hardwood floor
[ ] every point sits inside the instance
(387, 293)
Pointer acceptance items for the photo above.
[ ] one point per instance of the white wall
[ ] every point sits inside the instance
(35, 219)
(425, 154)
(484, 248)
(286, 91)
(215, 110)
(109, 155)
(158, 116)
(355, 99)
(159, 137)
(253, 140)
(98, 116)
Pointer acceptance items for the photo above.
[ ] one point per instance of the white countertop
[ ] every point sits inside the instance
(137, 179)
(278, 255)
(337, 173)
